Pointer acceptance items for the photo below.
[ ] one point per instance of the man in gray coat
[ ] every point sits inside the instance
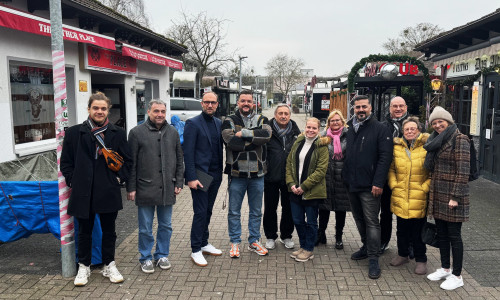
(156, 177)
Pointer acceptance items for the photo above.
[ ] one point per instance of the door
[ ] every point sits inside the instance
(116, 93)
(490, 129)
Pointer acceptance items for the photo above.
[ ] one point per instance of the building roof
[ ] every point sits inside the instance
(470, 34)
(93, 15)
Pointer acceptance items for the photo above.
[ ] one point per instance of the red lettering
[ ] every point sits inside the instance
(403, 68)
(413, 69)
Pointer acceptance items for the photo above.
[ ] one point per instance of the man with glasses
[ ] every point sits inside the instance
(367, 161)
(245, 134)
(398, 112)
(285, 132)
(203, 156)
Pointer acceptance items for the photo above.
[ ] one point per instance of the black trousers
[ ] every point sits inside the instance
(203, 203)
(410, 231)
(85, 227)
(272, 193)
(450, 234)
(324, 217)
(385, 215)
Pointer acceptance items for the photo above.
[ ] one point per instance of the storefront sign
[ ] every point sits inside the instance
(152, 57)
(325, 103)
(17, 20)
(464, 68)
(373, 69)
(109, 61)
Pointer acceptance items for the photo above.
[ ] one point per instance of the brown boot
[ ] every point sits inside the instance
(296, 253)
(304, 256)
(421, 268)
(399, 260)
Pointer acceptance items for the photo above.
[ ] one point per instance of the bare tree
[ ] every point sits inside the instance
(132, 9)
(205, 38)
(285, 72)
(409, 37)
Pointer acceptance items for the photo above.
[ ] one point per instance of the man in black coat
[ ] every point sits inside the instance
(398, 112)
(285, 132)
(95, 187)
(368, 158)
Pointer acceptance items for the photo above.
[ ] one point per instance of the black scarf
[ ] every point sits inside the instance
(434, 143)
(282, 131)
(396, 123)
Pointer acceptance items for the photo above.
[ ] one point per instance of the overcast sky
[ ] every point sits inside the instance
(330, 36)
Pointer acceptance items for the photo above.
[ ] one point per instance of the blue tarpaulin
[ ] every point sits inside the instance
(28, 207)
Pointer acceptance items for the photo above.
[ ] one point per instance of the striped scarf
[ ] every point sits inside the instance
(98, 132)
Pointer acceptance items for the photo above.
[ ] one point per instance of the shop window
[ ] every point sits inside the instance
(32, 97)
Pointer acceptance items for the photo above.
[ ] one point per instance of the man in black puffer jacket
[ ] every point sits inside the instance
(285, 132)
(367, 161)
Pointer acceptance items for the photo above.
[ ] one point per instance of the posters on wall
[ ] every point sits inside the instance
(32, 96)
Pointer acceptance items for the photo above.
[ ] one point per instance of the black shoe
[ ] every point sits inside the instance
(321, 238)
(383, 246)
(360, 254)
(338, 243)
(374, 269)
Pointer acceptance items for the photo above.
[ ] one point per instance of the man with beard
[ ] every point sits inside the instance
(95, 187)
(245, 134)
(155, 181)
(394, 121)
(285, 132)
(203, 153)
(367, 161)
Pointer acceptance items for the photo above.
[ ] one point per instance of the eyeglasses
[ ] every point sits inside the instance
(411, 129)
(335, 120)
(398, 106)
(209, 102)
(361, 106)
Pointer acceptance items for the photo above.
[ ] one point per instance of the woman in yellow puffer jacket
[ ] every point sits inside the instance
(410, 182)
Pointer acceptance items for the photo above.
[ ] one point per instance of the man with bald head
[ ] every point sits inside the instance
(398, 112)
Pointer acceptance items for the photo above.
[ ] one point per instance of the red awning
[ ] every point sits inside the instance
(141, 54)
(18, 20)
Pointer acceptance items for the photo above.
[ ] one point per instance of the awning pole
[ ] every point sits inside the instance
(61, 123)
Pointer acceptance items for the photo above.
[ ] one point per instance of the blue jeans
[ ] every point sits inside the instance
(163, 234)
(307, 230)
(254, 187)
(365, 209)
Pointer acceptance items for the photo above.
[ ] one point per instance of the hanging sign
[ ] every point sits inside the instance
(109, 61)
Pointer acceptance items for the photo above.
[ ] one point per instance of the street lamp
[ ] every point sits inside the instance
(241, 58)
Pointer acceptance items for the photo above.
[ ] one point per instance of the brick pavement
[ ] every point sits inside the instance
(332, 274)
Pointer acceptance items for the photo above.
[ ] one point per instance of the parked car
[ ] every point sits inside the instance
(185, 108)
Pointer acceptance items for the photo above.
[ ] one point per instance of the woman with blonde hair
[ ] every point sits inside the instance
(305, 177)
(337, 198)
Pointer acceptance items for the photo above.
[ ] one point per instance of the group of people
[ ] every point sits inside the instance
(364, 166)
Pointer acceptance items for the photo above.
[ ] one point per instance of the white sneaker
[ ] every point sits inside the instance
(439, 274)
(209, 249)
(289, 244)
(452, 282)
(270, 244)
(83, 275)
(199, 259)
(112, 273)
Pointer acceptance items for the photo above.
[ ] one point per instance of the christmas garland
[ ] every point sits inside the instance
(388, 58)
(471, 78)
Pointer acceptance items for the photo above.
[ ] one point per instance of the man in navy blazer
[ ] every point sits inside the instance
(203, 152)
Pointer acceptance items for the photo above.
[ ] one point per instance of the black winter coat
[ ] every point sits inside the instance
(368, 156)
(337, 197)
(92, 182)
(277, 152)
(389, 123)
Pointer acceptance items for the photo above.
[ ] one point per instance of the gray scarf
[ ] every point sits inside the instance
(356, 123)
(282, 131)
(434, 143)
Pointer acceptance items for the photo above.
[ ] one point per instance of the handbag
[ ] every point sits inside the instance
(429, 234)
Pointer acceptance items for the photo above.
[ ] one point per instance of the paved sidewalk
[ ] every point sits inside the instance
(331, 275)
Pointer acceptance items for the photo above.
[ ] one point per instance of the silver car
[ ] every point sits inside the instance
(185, 108)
